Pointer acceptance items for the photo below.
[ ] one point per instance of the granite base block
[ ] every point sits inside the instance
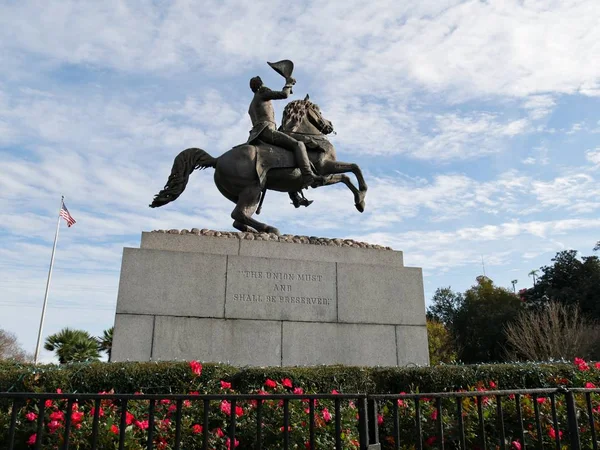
(260, 302)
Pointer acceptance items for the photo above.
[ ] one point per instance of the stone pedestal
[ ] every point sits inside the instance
(263, 300)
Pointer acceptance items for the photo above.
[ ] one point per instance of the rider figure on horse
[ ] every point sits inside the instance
(264, 128)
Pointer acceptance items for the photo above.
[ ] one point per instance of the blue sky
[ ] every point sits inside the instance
(476, 123)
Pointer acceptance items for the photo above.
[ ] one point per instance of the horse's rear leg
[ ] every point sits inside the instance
(245, 208)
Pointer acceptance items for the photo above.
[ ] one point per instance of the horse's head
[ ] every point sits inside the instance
(304, 116)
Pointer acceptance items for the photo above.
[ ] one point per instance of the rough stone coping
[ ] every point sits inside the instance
(275, 238)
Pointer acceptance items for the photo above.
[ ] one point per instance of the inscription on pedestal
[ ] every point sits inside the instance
(280, 289)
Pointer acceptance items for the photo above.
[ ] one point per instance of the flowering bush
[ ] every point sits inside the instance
(193, 379)
(531, 406)
(137, 421)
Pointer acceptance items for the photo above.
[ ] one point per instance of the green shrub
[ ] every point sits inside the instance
(175, 377)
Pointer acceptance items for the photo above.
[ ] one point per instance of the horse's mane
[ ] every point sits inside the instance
(295, 112)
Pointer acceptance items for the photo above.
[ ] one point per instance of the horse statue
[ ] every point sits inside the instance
(244, 173)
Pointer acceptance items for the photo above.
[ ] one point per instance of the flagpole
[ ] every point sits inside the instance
(39, 339)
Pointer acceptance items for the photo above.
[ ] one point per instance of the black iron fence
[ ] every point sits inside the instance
(516, 420)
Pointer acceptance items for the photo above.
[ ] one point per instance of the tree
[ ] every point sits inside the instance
(441, 345)
(73, 346)
(444, 306)
(597, 247)
(105, 341)
(569, 281)
(10, 348)
(479, 322)
(554, 332)
(533, 274)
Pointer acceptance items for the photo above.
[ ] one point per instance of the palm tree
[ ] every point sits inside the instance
(514, 283)
(73, 346)
(533, 274)
(105, 341)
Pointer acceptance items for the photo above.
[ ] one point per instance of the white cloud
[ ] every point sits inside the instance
(577, 192)
(593, 156)
(539, 106)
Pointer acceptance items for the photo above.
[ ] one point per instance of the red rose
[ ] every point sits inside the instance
(196, 367)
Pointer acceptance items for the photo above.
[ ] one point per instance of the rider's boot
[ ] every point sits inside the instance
(298, 199)
(309, 178)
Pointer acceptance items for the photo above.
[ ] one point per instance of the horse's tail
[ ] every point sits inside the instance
(185, 163)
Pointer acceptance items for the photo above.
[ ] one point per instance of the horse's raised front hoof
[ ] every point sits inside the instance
(360, 206)
(273, 230)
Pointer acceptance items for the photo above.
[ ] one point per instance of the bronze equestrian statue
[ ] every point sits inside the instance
(271, 159)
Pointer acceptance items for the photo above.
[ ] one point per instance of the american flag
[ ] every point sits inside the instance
(64, 213)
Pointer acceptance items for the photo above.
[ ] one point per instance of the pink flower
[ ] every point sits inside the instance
(431, 440)
(597, 365)
(57, 415)
(402, 402)
(326, 415)
(226, 407)
(220, 433)
(286, 382)
(129, 418)
(379, 419)
(298, 391)
(225, 385)
(228, 443)
(196, 368)
(334, 392)
(114, 429)
(53, 425)
(270, 383)
(32, 439)
(515, 445)
(48, 404)
(581, 364)
(434, 414)
(541, 400)
(552, 433)
(59, 391)
(493, 385)
(196, 429)
(239, 411)
(590, 385)
(31, 416)
(77, 416)
(142, 425)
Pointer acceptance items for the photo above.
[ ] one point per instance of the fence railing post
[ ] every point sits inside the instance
(572, 419)
(368, 427)
(373, 424)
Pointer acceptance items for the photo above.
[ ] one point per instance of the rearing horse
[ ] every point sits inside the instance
(236, 174)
